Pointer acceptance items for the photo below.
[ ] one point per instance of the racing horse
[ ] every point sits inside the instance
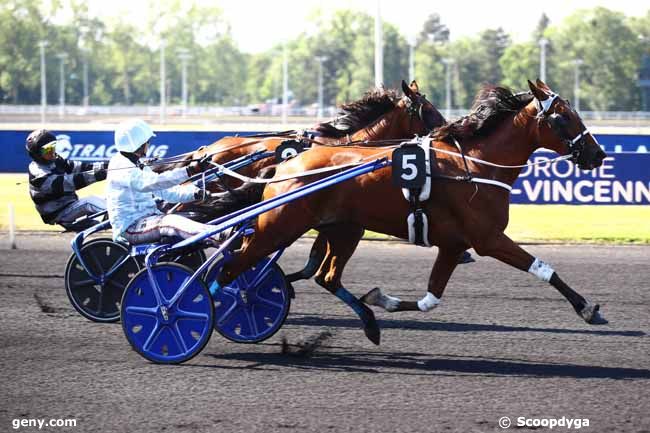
(379, 116)
(503, 129)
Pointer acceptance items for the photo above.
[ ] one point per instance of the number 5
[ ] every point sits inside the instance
(406, 165)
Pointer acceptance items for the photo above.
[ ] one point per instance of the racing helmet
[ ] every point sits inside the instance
(37, 140)
(132, 134)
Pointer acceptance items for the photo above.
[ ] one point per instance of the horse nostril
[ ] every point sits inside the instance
(601, 155)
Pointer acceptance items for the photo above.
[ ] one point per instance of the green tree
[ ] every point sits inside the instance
(611, 52)
(433, 30)
(22, 27)
(520, 62)
(492, 44)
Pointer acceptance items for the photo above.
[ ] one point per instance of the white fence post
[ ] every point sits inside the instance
(12, 227)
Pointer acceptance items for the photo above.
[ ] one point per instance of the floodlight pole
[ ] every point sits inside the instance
(62, 57)
(41, 45)
(542, 59)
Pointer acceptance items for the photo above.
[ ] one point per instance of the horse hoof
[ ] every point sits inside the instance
(591, 315)
(372, 297)
(466, 258)
(371, 329)
(373, 333)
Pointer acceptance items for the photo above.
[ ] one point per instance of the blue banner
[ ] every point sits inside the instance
(617, 143)
(98, 145)
(622, 179)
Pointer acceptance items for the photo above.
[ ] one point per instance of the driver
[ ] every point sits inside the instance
(133, 188)
(54, 180)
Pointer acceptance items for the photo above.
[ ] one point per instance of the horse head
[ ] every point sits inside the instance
(561, 128)
(420, 108)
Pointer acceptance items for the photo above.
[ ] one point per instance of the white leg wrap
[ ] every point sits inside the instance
(429, 302)
(541, 270)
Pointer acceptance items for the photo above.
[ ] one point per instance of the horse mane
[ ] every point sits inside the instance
(490, 107)
(356, 115)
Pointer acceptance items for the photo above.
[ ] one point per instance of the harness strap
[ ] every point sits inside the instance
(417, 221)
(462, 154)
(243, 178)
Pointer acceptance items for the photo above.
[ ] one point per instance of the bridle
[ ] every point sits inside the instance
(414, 109)
(558, 124)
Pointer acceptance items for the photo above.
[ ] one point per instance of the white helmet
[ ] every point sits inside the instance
(132, 134)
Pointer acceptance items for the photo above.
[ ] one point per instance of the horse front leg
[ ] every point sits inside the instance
(443, 267)
(502, 248)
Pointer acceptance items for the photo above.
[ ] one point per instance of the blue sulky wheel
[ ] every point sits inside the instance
(167, 333)
(252, 307)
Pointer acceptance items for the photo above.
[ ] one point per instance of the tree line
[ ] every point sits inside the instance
(123, 60)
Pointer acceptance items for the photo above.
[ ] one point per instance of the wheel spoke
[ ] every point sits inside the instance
(116, 284)
(226, 316)
(251, 321)
(227, 290)
(100, 301)
(98, 266)
(182, 314)
(143, 311)
(154, 334)
(82, 283)
(270, 303)
(179, 338)
(120, 261)
(260, 278)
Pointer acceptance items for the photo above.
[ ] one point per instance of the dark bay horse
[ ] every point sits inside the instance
(502, 128)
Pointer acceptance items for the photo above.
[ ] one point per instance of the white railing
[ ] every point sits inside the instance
(53, 111)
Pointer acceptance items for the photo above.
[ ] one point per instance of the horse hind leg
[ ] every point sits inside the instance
(444, 266)
(342, 241)
(316, 257)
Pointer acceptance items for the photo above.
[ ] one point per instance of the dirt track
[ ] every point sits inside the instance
(502, 344)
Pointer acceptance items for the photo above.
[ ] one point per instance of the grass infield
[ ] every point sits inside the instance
(528, 223)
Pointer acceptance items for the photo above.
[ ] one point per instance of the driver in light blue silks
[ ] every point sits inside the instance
(133, 187)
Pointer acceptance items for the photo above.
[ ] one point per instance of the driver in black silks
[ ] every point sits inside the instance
(53, 182)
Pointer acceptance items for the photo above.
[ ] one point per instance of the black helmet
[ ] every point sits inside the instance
(36, 140)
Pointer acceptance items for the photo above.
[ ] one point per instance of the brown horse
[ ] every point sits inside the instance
(502, 128)
(379, 116)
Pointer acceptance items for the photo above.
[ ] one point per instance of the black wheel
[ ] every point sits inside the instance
(99, 301)
(192, 260)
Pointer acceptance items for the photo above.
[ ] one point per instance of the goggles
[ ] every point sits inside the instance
(48, 149)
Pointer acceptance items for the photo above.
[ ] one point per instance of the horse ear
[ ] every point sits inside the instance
(414, 86)
(406, 89)
(537, 92)
(543, 85)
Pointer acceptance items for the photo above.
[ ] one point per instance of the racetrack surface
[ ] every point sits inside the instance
(501, 344)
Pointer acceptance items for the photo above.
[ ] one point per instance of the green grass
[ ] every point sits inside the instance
(529, 223)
